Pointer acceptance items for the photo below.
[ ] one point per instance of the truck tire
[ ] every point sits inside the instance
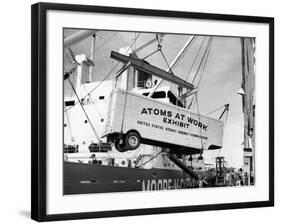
(120, 148)
(132, 140)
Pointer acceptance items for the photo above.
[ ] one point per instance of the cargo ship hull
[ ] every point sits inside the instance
(81, 178)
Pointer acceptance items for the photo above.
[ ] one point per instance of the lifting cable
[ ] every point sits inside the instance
(159, 47)
(185, 51)
(150, 54)
(165, 59)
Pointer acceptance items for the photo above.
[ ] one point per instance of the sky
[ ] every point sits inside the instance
(221, 78)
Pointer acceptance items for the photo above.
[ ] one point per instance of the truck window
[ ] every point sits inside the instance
(69, 103)
(173, 99)
(160, 94)
(156, 95)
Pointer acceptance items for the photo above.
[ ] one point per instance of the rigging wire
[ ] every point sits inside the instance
(204, 61)
(149, 159)
(137, 152)
(225, 121)
(71, 62)
(93, 129)
(150, 54)
(68, 121)
(215, 110)
(199, 118)
(185, 51)
(183, 54)
(189, 72)
(93, 103)
(101, 45)
(158, 48)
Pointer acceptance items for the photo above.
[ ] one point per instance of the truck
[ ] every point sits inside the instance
(135, 119)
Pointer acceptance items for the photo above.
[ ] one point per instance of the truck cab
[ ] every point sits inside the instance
(164, 94)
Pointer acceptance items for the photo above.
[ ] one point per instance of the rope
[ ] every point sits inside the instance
(170, 69)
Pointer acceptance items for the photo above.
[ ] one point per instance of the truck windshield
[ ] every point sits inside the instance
(157, 95)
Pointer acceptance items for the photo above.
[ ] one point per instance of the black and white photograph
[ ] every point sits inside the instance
(140, 111)
(147, 111)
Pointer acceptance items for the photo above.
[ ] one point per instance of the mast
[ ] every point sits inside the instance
(92, 57)
(248, 104)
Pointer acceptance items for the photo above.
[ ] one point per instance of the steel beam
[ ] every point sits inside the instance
(142, 65)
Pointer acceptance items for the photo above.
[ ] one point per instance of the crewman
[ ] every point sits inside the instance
(94, 159)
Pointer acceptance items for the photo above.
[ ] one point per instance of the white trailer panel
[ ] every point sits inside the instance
(161, 123)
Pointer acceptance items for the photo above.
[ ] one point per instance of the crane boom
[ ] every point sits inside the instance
(77, 37)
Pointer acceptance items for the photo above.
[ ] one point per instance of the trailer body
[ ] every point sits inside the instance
(161, 124)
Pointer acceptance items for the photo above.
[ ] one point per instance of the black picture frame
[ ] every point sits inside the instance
(39, 108)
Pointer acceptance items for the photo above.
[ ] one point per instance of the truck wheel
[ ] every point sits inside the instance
(132, 140)
(119, 148)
